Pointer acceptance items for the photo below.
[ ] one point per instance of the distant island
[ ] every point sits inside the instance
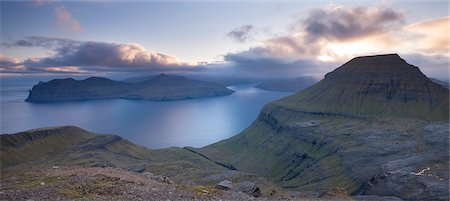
(288, 85)
(159, 88)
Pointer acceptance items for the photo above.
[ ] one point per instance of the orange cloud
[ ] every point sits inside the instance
(431, 36)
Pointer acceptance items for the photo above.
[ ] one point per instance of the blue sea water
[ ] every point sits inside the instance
(194, 122)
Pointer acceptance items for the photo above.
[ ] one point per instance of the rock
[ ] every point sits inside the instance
(249, 188)
(224, 185)
(308, 124)
(162, 179)
(334, 193)
(375, 198)
(148, 174)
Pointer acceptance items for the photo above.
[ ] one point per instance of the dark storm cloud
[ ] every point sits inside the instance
(241, 34)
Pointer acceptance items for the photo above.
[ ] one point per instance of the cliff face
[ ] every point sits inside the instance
(162, 87)
(374, 126)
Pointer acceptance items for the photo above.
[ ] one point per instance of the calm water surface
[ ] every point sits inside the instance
(195, 122)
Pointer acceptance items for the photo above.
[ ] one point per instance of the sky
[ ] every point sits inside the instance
(237, 38)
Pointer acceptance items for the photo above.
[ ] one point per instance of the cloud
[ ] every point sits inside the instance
(93, 53)
(431, 36)
(311, 37)
(9, 62)
(241, 34)
(64, 18)
(90, 56)
(348, 23)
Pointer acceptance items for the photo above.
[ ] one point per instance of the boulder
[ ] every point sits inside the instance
(249, 188)
(224, 185)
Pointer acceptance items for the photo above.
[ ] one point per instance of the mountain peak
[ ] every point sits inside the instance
(384, 64)
(380, 85)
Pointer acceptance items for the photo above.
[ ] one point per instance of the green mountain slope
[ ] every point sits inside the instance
(373, 86)
(370, 127)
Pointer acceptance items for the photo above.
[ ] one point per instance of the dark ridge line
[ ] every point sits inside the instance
(230, 167)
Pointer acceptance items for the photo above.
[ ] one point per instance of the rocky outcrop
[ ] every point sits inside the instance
(160, 88)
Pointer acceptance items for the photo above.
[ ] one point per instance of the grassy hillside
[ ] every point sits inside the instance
(43, 148)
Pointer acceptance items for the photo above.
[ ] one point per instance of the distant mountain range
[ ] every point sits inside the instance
(288, 85)
(374, 129)
(159, 88)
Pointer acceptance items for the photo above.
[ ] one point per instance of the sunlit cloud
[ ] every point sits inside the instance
(431, 36)
(331, 32)
(90, 56)
(84, 53)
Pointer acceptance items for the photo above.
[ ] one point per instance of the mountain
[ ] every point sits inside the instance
(374, 126)
(370, 86)
(139, 79)
(288, 85)
(161, 87)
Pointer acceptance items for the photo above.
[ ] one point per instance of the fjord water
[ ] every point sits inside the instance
(194, 122)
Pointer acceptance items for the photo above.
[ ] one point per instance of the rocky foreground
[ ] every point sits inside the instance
(97, 183)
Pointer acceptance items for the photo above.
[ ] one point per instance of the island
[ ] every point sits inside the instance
(160, 88)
